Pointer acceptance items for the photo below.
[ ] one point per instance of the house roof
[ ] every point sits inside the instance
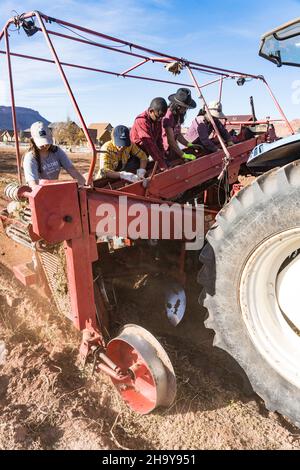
(93, 134)
(5, 131)
(101, 128)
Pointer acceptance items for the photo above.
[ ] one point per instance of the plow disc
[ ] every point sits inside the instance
(150, 379)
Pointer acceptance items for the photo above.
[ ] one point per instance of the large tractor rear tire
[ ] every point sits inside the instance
(251, 282)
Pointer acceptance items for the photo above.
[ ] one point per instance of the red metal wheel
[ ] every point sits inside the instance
(150, 378)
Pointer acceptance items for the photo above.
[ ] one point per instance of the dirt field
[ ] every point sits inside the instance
(47, 402)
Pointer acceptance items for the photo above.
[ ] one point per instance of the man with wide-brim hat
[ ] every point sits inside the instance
(180, 102)
(201, 128)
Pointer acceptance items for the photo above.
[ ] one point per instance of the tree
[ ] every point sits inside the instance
(68, 133)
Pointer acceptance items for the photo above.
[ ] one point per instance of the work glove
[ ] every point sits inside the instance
(141, 173)
(127, 176)
(188, 156)
(191, 145)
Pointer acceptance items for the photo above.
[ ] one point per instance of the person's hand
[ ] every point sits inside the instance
(127, 176)
(141, 173)
(188, 156)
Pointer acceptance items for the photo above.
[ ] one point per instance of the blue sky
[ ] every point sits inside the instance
(217, 33)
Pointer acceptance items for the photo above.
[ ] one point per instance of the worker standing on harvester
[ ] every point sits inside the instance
(45, 160)
(180, 102)
(121, 159)
(201, 128)
(146, 131)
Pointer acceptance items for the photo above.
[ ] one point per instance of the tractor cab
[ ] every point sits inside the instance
(282, 45)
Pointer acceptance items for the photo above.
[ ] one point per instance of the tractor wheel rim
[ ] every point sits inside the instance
(152, 381)
(270, 302)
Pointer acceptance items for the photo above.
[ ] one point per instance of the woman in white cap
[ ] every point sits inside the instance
(201, 128)
(45, 160)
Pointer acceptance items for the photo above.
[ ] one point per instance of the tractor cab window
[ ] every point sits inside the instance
(282, 45)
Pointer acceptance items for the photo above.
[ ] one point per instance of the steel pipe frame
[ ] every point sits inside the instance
(72, 97)
(208, 68)
(168, 58)
(278, 106)
(145, 58)
(131, 45)
(4, 34)
(222, 143)
(109, 72)
(189, 65)
(164, 60)
(220, 90)
(13, 106)
(92, 69)
(266, 121)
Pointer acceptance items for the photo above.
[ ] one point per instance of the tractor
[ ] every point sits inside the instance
(251, 260)
(250, 257)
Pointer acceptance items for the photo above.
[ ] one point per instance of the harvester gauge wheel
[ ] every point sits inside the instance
(150, 378)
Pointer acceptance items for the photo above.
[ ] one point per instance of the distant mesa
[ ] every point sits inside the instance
(25, 117)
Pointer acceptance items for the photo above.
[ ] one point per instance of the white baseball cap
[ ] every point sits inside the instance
(41, 134)
(215, 108)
